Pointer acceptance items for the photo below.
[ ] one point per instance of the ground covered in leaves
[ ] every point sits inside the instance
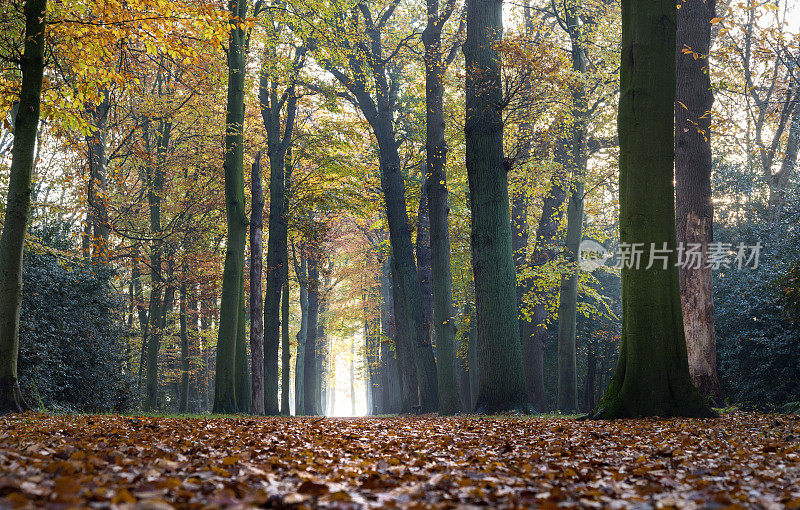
(737, 461)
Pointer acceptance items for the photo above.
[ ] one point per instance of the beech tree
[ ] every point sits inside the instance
(18, 203)
(502, 383)
(652, 374)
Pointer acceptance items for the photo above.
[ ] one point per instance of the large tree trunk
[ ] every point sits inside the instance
(406, 366)
(232, 293)
(652, 374)
(310, 374)
(693, 205)
(256, 311)
(155, 196)
(18, 204)
(502, 382)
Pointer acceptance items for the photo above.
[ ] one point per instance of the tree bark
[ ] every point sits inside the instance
(225, 400)
(652, 373)
(286, 353)
(183, 405)
(390, 376)
(438, 209)
(18, 204)
(256, 310)
(693, 205)
(310, 374)
(97, 215)
(302, 334)
(502, 382)
(278, 140)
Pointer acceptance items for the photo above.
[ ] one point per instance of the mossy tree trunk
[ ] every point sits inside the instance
(18, 204)
(502, 382)
(652, 373)
(225, 400)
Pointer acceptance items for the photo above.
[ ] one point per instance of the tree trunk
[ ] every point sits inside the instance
(652, 373)
(286, 353)
(575, 164)
(183, 405)
(406, 366)
(241, 365)
(693, 205)
(277, 254)
(98, 226)
(438, 211)
(391, 398)
(502, 383)
(18, 204)
(423, 251)
(591, 377)
(310, 374)
(235, 210)
(302, 334)
(256, 310)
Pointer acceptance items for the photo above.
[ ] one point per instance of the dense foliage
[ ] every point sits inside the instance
(73, 346)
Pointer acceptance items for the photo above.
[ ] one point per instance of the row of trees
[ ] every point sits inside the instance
(461, 277)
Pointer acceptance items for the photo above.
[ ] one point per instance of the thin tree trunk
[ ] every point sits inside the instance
(299, 366)
(225, 400)
(256, 310)
(18, 204)
(183, 406)
(286, 353)
(567, 397)
(310, 374)
(242, 367)
(97, 214)
(438, 209)
(390, 376)
(502, 381)
(591, 377)
(652, 373)
(693, 205)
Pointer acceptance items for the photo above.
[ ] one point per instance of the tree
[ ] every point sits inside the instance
(232, 292)
(18, 203)
(652, 373)
(372, 68)
(502, 384)
(438, 209)
(279, 138)
(694, 210)
(256, 317)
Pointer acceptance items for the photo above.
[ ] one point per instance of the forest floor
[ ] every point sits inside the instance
(737, 461)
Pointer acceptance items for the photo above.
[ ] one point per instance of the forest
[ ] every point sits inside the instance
(415, 253)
